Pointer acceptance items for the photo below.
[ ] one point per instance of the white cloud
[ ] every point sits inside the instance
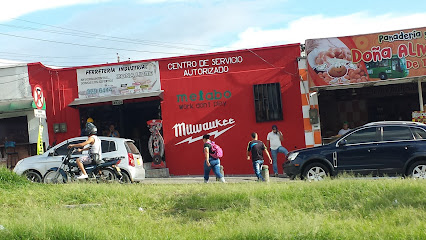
(320, 26)
(6, 62)
(16, 8)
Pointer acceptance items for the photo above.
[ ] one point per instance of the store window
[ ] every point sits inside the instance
(14, 129)
(267, 102)
(395, 133)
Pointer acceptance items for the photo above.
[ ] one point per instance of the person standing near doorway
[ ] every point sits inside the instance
(345, 129)
(274, 143)
(210, 163)
(257, 147)
(112, 132)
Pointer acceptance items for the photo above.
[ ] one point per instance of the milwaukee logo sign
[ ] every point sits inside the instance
(184, 129)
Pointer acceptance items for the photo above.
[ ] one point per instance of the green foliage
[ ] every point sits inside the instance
(10, 179)
(332, 209)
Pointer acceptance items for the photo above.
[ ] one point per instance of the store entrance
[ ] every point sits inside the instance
(129, 120)
(358, 106)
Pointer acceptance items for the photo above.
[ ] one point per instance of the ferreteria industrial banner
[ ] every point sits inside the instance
(115, 80)
(364, 58)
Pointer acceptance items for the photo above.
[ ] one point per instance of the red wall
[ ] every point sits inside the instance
(258, 66)
(59, 89)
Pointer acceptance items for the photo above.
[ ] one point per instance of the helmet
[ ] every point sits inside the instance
(90, 120)
(91, 129)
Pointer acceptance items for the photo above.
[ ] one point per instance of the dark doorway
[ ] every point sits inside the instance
(129, 120)
(359, 106)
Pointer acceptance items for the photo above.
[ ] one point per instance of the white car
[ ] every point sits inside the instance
(131, 166)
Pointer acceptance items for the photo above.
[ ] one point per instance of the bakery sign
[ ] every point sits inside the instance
(116, 80)
(365, 58)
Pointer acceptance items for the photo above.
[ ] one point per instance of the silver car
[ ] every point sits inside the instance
(35, 167)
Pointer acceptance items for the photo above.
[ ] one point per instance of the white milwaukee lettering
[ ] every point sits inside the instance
(214, 134)
(183, 129)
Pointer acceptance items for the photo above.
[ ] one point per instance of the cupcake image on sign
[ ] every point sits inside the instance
(330, 62)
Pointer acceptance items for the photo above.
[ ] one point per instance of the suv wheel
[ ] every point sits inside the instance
(315, 172)
(418, 170)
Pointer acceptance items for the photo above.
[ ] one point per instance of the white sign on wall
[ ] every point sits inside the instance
(117, 80)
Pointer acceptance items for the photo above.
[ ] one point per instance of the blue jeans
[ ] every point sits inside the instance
(274, 154)
(215, 166)
(257, 165)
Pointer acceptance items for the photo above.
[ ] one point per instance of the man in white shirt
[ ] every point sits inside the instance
(95, 150)
(344, 130)
(274, 143)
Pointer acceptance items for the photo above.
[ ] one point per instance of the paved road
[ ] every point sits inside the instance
(199, 179)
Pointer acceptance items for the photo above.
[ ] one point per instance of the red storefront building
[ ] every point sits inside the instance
(228, 95)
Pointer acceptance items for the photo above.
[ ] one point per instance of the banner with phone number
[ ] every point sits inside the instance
(115, 80)
(364, 58)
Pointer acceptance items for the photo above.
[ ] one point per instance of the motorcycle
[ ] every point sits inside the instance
(108, 171)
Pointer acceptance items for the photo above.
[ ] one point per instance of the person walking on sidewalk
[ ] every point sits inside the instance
(210, 163)
(274, 143)
(257, 147)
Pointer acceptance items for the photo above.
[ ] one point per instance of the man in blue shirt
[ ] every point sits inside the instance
(257, 147)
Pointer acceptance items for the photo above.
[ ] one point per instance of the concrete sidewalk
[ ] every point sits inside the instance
(200, 179)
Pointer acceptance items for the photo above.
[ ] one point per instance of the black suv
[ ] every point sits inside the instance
(379, 148)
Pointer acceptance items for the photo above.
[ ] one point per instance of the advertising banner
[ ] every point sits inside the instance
(364, 58)
(419, 116)
(118, 80)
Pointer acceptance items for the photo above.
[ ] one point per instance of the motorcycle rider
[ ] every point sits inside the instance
(95, 151)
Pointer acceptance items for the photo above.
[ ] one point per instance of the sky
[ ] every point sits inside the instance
(67, 33)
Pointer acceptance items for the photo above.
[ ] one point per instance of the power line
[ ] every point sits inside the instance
(26, 60)
(92, 46)
(42, 56)
(76, 34)
(96, 34)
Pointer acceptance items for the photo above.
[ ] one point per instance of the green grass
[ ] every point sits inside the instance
(332, 209)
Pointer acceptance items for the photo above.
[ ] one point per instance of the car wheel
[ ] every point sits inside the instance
(33, 176)
(383, 76)
(125, 178)
(418, 170)
(315, 172)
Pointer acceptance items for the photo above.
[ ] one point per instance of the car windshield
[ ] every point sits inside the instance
(131, 148)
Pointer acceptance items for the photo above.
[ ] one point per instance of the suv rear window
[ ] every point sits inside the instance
(131, 148)
(419, 133)
(396, 133)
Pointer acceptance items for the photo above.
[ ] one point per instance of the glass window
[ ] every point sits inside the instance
(363, 136)
(63, 150)
(396, 133)
(108, 146)
(267, 102)
(419, 133)
(131, 148)
(383, 63)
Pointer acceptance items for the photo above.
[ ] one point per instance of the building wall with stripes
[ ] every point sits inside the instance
(309, 101)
